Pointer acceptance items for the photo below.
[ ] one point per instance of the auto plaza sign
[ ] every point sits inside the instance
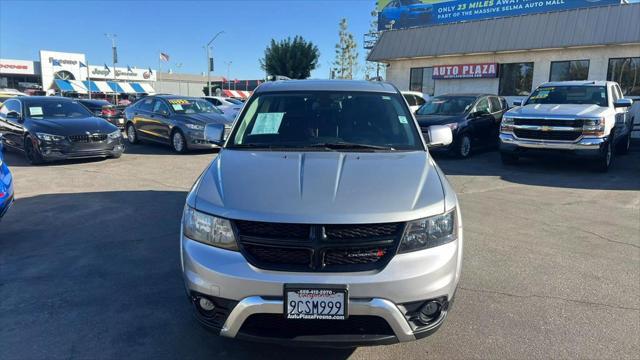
(465, 71)
(399, 14)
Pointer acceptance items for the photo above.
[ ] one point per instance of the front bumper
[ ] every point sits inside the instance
(385, 294)
(583, 147)
(54, 152)
(5, 204)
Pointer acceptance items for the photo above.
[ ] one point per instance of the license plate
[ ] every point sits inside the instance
(324, 302)
(121, 121)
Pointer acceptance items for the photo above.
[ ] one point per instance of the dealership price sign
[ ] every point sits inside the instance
(465, 71)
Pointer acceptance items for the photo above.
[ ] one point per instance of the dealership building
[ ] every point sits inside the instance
(512, 55)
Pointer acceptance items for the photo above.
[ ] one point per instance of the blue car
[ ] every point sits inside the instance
(404, 13)
(6, 185)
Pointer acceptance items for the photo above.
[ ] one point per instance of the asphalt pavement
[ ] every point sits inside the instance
(89, 263)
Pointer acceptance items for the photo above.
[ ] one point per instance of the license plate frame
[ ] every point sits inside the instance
(333, 288)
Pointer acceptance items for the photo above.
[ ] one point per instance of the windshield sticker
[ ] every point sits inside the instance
(179, 101)
(177, 107)
(542, 94)
(386, 98)
(402, 119)
(35, 111)
(267, 123)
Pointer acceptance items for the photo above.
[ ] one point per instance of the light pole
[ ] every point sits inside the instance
(113, 58)
(178, 66)
(209, 69)
(228, 73)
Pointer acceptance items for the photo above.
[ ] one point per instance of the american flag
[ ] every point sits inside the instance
(164, 57)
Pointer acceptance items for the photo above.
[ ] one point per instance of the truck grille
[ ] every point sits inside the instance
(548, 135)
(304, 247)
(83, 139)
(548, 122)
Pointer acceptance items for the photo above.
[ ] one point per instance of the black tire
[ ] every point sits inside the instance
(463, 146)
(623, 146)
(508, 158)
(31, 152)
(116, 156)
(176, 137)
(603, 162)
(132, 134)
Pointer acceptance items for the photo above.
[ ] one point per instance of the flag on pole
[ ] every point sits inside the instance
(82, 64)
(107, 68)
(115, 55)
(150, 71)
(129, 69)
(164, 57)
(55, 62)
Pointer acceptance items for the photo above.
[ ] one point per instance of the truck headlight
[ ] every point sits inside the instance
(115, 135)
(195, 127)
(593, 127)
(429, 232)
(507, 123)
(208, 229)
(49, 137)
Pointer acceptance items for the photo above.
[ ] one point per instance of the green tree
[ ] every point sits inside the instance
(372, 69)
(346, 62)
(294, 58)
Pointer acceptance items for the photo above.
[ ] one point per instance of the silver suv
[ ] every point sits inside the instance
(323, 220)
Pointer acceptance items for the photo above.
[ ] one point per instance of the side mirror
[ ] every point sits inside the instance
(623, 103)
(12, 115)
(214, 133)
(517, 103)
(439, 136)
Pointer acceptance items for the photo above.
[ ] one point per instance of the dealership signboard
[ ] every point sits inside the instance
(103, 72)
(465, 71)
(399, 14)
(61, 65)
(18, 67)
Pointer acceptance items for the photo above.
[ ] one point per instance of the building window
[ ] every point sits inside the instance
(569, 70)
(516, 79)
(626, 72)
(421, 79)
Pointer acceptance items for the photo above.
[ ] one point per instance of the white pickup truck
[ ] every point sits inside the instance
(582, 118)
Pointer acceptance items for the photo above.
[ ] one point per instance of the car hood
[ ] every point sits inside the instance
(72, 126)
(559, 110)
(207, 118)
(428, 120)
(320, 187)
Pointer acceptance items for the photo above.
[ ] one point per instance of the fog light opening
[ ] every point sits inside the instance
(429, 312)
(206, 304)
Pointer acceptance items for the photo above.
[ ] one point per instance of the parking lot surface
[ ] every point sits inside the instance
(89, 263)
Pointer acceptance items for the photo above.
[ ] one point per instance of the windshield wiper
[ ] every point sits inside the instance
(348, 145)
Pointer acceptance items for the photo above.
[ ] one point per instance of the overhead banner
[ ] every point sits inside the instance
(400, 14)
(465, 71)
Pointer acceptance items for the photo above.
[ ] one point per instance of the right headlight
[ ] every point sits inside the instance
(507, 123)
(49, 137)
(429, 232)
(208, 229)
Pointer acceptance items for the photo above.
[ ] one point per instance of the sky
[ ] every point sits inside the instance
(180, 29)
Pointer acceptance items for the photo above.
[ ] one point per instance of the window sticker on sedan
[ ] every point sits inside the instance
(178, 101)
(35, 111)
(402, 119)
(267, 123)
(177, 107)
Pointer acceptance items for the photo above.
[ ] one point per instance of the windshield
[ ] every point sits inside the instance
(446, 105)
(56, 109)
(234, 101)
(192, 106)
(569, 95)
(327, 120)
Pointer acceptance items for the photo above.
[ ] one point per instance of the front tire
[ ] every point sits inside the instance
(31, 152)
(462, 147)
(603, 163)
(132, 134)
(178, 142)
(624, 145)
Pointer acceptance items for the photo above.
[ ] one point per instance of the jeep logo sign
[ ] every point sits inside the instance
(465, 71)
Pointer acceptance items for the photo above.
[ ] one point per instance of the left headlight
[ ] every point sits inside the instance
(429, 232)
(195, 127)
(49, 137)
(208, 229)
(115, 135)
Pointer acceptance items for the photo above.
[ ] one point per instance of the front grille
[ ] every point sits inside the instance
(548, 122)
(304, 247)
(88, 138)
(277, 326)
(548, 135)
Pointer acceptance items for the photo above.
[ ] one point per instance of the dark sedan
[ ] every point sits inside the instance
(105, 110)
(56, 128)
(6, 185)
(174, 120)
(474, 119)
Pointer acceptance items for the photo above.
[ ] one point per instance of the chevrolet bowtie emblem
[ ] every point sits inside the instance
(546, 128)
